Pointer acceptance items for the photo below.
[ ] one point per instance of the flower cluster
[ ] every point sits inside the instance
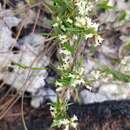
(72, 25)
(77, 23)
(71, 31)
(83, 7)
(58, 111)
(125, 65)
(69, 122)
(84, 21)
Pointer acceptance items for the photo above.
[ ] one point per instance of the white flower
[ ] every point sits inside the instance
(74, 118)
(69, 20)
(66, 127)
(90, 24)
(124, 61)
(96, 74)
(83, 7)
(59, 84)
(64, 122)
(90, 35)
(68, 60)
(107, 78)
(73, 121)
(63, 28)
(55, 25)
(59, 89)
(58, 20)
(63, 38)
(64, 51)
(75, 37)
(98, 40)
(80, 21)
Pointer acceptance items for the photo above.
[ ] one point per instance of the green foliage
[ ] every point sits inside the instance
(31, 2)
(59, 113)
(22, 66)
(117, 75)
(122, 16)
(71, 26)
(104, 4)
(128, 46)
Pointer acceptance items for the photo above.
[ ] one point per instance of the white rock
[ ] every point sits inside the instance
(108, 88)
(125, 39)
(37, 83)
(51, 95)
(5, 59)
(12, 21)
(107, 50)
(121, 4)
(8, 18)
(6, 39)
(103, 60)
(42, 95)
(89, 65)
(89, 97)
(33, 39)
(36, 102)
(113, 91)
(109, 16)
(46, 60)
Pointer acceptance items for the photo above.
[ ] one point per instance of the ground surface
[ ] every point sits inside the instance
(111, 115)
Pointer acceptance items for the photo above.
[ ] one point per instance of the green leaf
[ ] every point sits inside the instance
(23, 66)
(128, 46)
(69, 48)
(81, 30)
(122, 15)
(116, 74)
(104, 4)
(30, 2)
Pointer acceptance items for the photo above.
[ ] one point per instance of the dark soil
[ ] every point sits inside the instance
(110, 115)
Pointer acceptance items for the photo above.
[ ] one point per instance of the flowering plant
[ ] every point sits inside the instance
(72, 25)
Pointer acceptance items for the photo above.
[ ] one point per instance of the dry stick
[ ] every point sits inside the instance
(9, 3)
(15, 97)
(9, 90)
(17, 11)
(18, 33)
(4, 4)
(22, 109)
(22, 114)
(50, 39)
(76, 53)
(24, 84)
(37, 17)
(13, 115)
(47, 7)
(5, 95)
(17, 36)
(51, 49)
(5, 104)
(2, 84)
(10, 106)
(38, 14)
(22, 106)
